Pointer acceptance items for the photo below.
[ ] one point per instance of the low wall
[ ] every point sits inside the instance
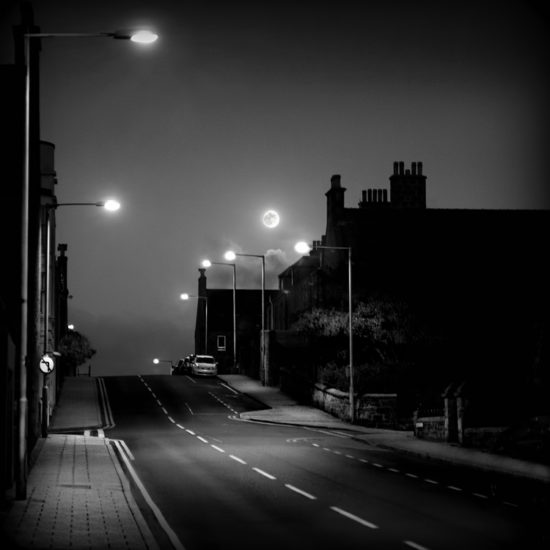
(372, 409)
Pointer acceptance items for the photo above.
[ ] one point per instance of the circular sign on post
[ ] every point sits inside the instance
(47, 364)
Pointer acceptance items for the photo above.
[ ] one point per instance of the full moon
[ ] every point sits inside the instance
(271, 219)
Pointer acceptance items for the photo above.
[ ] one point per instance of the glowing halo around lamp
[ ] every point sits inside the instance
(271, 219)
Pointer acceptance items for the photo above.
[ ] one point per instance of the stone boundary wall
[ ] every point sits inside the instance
(372, 409)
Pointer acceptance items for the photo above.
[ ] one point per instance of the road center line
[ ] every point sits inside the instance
(190, 432)
(236, 458)
(299, 491)
(190, 410)
(453, 488)
(414, 545)
(159, 403)
(202, 439)
(171, 420)
(354, 517)
(265, 474)
(164, 410)
(432, 481)
(217, 448)
(180, 426)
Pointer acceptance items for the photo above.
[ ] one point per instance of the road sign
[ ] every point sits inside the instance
(47, 364)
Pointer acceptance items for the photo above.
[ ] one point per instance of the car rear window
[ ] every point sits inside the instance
(205, 359)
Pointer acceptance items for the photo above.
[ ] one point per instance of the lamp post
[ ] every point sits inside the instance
(186, 296)
(303, 248)
(140, 37)
(109, 205)
(207, 264)
(230, 256)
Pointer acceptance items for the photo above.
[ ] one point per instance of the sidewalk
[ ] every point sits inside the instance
(77, 493)
(284, 410)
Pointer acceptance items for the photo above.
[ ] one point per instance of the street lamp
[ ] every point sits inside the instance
(110, 205)
(186, 297)
(157, 361)
(137, 36)
(207, 264)
(230, 256)
(303, 248)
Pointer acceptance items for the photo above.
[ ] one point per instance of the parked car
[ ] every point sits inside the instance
(183, 366)
(204, 365)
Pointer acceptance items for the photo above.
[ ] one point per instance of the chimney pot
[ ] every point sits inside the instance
(335, 181)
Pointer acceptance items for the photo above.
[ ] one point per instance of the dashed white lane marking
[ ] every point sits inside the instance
(265, 474)
(510, 504)
(316, 444)
(479, 495)
(219, 449)
(190, 432)
(159, 403)
(171, 420)
(354, 517)
(453, 488)
(164, 410)
(414, 545)
(432, 481)
(363, 460)
(192, 379)
(394, 470)
(350, 456)
(377, 465)
(414, 476)
(300, 492)
(180, 426)
(202, 439)
(237, 459)
(190, 409)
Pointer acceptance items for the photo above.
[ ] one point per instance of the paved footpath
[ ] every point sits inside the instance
(78, 496)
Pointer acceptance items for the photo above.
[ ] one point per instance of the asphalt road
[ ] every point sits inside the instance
(222, 483)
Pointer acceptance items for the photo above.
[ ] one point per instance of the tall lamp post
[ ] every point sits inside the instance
(109, 205)
(138, 36)
(230, 256)
(186, 296)
(207, 264)
(303, 248)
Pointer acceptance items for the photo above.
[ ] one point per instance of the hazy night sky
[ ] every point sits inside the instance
(244, 106)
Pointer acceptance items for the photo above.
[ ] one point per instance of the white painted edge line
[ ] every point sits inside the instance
(219, 449)
(300, 492)
(106, 403)
(229, 388)
(414, 545)
(126, 449)
(236, 458)
(154, 508)
(265, 474)
(354, 517)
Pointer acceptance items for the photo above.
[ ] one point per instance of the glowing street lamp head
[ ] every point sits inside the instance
(302, 247)
(156, 361)
(184, 296)
(144, 37)
(206, 263)
(111, 205)
(230, 255)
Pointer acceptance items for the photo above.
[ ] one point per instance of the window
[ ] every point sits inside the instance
(221, 342)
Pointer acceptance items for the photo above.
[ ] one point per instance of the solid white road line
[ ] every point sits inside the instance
(354, 517)
(265, 474)
(126, 449)
(158, 514)
(229, 388)
(300, 492)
